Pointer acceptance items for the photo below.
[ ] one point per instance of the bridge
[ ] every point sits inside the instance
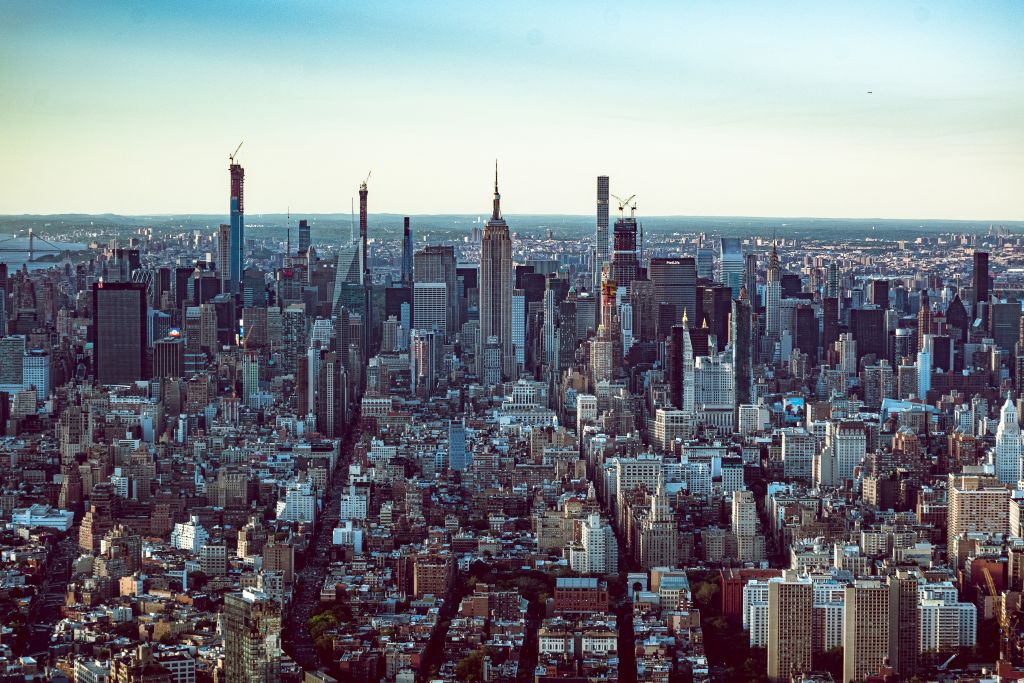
(32, 248)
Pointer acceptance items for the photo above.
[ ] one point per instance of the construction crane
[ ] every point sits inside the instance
(623, 203)
(232, 156)
(362, 185)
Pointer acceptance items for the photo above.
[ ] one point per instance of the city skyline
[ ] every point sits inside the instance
(878, 110)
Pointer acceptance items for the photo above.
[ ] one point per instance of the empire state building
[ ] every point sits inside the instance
(496, 287)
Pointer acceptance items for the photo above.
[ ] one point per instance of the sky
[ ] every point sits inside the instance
(842, 109)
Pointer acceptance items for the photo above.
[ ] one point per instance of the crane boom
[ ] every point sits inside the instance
(235, 153)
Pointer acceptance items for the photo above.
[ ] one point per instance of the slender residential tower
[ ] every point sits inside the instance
(363, 192)
(601, 233)
(237, 260)
(496, 285)
(407, 255)
(773, 297)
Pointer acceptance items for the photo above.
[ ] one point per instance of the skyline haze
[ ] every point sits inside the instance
(895, 110)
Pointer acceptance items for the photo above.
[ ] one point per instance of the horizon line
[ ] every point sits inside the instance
(992, 221)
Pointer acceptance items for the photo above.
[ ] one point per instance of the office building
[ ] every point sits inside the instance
(731, 265)
(169, 357)
(981, 280)
(496, 286)
(430, 307)
(434, 264)
(12, 362)
(1008, 445)
(304, 236)
(675, 283)
(458, 458)
(119, 332)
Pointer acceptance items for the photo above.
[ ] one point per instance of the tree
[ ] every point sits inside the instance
(706, 594)
(471, 667)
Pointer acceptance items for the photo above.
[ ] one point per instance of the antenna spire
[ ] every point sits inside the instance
(496, 213)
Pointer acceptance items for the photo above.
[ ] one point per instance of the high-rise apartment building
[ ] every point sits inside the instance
(252, 637)
(790, 625)
(406, 254)
(741, 339)
(773, 297)
(601, 233)
(236, 261)
(881, 627)
(977, 502)
(659, 537)
(119, 332)
(625, 263)
(599, 552)
(496, 285)
(224, 256)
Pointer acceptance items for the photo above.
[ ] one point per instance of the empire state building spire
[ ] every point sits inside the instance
(496, 212)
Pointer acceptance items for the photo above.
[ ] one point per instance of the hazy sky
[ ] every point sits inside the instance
(710, 108)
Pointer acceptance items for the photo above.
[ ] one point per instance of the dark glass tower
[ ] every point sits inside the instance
(304, 236)
(407, 255)
(742, 348)
(119, 332)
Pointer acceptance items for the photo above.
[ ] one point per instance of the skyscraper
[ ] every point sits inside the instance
(625, 266)
(924, 319)
(12, 360)
(430, 307)
(981, 279)
(458, 459)
(659, 537)
(773, 297)
(407, 255)
(730, 265)
(601, 233)
(119, 332)
(880, 627)
(363, 193)
(675, 283)
(252, 637)
(224, 257)
(790, 624)
(436, 264)
(304, 236)
(1008, 445)
(740, 336)
(496, 284)
(237, 258)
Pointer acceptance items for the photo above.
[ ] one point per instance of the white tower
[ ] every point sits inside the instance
(1008, 445)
